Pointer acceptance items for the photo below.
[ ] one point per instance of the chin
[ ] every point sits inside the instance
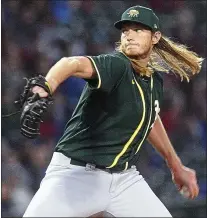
(132, 54)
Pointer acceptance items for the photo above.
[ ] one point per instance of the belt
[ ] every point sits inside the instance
(90, 166)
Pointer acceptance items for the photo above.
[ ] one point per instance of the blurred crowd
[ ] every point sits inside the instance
(36, 34)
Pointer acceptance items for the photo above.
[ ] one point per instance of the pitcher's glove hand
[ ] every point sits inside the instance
(33, 107)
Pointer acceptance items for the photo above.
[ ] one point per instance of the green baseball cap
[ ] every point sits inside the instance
(139, 14)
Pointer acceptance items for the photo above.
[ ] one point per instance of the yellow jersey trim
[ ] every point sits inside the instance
(148, 126)
(135, 132)
(99, 77)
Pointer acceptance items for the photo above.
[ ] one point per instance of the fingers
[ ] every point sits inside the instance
(194, 190)
(186, 182)
(42, 93)
(191, 191)
(194, 186)
(190, 188)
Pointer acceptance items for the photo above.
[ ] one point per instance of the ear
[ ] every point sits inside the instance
(156, 37)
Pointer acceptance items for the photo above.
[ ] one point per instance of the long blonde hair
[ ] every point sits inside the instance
(169, 56)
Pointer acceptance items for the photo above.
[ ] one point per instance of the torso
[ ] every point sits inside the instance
(108, 129)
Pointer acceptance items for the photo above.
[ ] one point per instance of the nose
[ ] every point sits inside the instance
(129, 35)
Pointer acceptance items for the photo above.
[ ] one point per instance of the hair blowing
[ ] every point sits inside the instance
(169, 56)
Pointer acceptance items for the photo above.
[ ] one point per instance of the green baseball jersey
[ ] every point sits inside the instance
(114, 114)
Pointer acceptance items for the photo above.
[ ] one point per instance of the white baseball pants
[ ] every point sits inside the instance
(74, 191)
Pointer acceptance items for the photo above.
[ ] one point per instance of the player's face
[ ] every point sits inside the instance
(136, 40)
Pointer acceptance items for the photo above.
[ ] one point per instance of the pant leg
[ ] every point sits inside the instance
(69, 191)
(133, 197)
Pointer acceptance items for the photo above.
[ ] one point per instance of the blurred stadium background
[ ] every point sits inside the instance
(36, 34)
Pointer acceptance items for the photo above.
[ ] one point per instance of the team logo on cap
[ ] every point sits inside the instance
(133, 13)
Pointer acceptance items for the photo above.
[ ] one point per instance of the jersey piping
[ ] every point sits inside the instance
(148, 126)
(126, 146)
(99, 77)
(126, 165)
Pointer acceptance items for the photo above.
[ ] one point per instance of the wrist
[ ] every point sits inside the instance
(174, 164)
(52, 84)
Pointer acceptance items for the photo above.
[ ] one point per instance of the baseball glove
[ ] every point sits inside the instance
(33, 107)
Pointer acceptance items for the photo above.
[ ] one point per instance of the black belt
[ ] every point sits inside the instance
(90, 166)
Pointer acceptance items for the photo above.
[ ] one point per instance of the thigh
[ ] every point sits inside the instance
(137, 200)
(66, 193)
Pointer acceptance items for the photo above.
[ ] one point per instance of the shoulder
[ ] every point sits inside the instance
(122, 57)
(116, 57)
(114, 61)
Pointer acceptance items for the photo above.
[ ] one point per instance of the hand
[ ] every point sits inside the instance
(32, 115)
(34, 102)
(42, 93)
(186, 182)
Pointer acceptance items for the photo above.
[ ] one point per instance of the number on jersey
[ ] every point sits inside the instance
(157, 110)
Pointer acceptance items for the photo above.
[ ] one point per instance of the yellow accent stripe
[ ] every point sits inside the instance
(126, 166)
(135, 132)
(99, 77)
(148, 126)
(47, 84)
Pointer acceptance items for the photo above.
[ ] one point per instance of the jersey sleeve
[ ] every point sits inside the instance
(110, 69)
